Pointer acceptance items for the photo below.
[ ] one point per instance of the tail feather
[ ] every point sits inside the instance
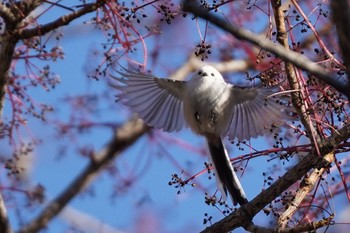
(225, 175)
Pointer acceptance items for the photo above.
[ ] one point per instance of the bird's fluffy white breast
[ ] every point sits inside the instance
(203, 95)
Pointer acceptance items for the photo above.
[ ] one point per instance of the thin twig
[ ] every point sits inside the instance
(295, 58)
(308, 227)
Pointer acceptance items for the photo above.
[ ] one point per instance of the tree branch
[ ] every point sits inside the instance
(7, 49)
(341, 18)
(306, 186)
(124, 136)
(243, 215)
(300, 104)
(308, 227)
(298, 98)
(21, 9)
(295, 58)
(6, 14)
(4, 222)
(61, 21)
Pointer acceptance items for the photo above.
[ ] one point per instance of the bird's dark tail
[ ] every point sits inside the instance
(225, 175)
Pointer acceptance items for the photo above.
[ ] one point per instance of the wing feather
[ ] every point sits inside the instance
(250, 111)
(157, 101)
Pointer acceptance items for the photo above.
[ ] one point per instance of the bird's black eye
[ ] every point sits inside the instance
(199, 72)
(212, 74)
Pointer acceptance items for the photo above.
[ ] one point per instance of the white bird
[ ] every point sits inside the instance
(210, 107)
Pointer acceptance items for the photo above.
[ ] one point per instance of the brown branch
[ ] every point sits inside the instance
(242, 216)
(308, 227)
(7, 49)
(298, 99)
(295, 58)
(124, 136)
(299, 103)
(12, 15)
(21, 9)
(6, 14)
(59, 22)
(306, 186)
(341, 18)
(4, 222)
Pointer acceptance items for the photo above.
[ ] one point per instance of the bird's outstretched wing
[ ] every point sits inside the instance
(157, 101)
(250, 112)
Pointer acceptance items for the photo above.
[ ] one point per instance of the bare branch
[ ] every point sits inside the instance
(6, 14)
(306, 186)
(342, 21)
(61, 21)
(6, 53)
(295, 58)
(124, 136)
(298, 98)
(4, 222)
(309, 227)
(12, 15)
(22, 9)
(242, 216)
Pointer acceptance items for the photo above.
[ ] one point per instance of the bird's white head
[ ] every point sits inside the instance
(207, 71)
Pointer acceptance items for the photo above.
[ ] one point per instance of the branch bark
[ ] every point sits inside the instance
(306, 187)
(341, 18)
(298, 98)
(300, 104)
(242, 216)
(308, 227)
(4, 222)
(6, 14)
(7, 49)
(123, 138)
(295, 58)
(59, 22)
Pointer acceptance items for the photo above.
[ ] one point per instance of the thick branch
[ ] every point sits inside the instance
(298, 99)
(299, 102)
(6, 14)
(6, 53)
(21, 9)
(61, 21)
(4, 222)
(243, 216)
(341, 17)
(124, 137)
(308, 227)
(306, 186)
(12, 15)
(295, 58)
